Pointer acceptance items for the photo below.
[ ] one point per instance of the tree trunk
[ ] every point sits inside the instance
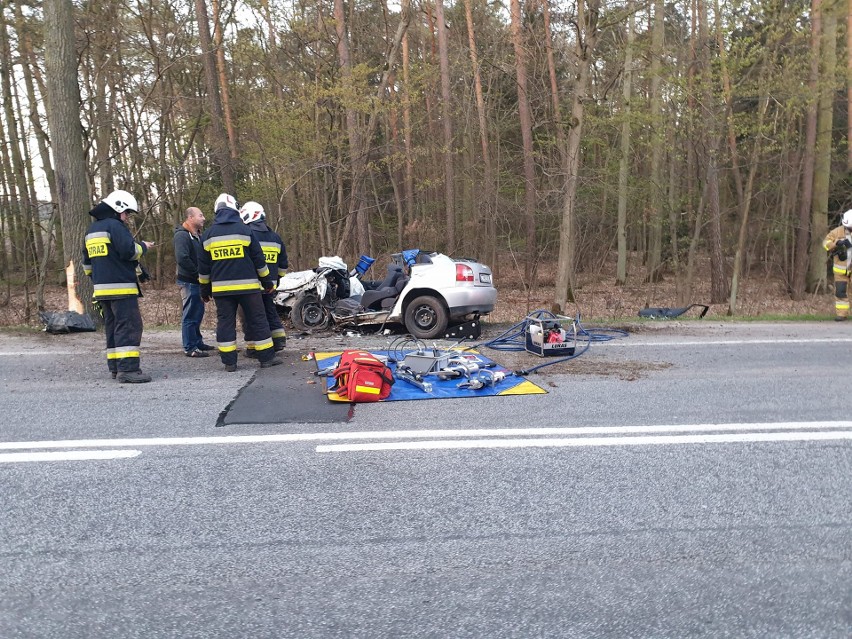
(406, 126)
(223, 80)
(526, 138)
(822, 158)
(488, 201)
(218, 136)
(718, 282)
(849, 87)
(655, 206)
(446, 116)
(63, 116)
(587, 19)
(624, 160)
(801, 263)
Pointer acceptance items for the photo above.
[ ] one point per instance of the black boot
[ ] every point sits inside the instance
(134, 377)
(275, 361)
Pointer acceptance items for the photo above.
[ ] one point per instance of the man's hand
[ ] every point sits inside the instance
(268, 286)
(148, 245)
(205, 298)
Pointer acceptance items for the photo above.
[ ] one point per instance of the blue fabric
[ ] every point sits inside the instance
(193, 314)
(441, 389)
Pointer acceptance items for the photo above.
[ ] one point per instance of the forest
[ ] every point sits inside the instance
(632, 140)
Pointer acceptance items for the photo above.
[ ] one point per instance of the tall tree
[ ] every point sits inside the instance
(63, 116)
(586, 41)
(525, 119)
(822, 158)
(218, 136)
(488, 200)
(710, 138)
(801, 265)
(624, 160)
(446, 117)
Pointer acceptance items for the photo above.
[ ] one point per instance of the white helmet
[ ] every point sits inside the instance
(252, 212)
(225, 200)
(121, 201)
(846, 220)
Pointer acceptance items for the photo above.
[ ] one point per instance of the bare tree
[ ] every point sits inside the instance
(526, 140)
(623, 163)
(822, 158)
(63, 116)
(587, 35)
(446, 116)
(218, 136)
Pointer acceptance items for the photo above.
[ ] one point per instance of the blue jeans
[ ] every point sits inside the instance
(193, 313)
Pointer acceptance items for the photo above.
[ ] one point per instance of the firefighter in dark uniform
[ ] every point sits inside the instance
(838, 243)
(232, 270)
(111, 258)
(275, 254)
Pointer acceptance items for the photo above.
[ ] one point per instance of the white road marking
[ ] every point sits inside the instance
(658, 440)
(419, 434)
(69, 455)
(731, 342)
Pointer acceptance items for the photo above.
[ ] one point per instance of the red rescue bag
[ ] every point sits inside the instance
(361, 377)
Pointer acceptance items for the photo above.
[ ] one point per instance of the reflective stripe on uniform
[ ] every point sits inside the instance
(841, 305)
(271, 251)
(262, 345)
(220, 241)
(139, 251)
(279, 332)
(204, 279)
(226, 347)
(263, 272)
(123, 352)
(236, 285)
(97, 244)
(122, 288)
(839, 269)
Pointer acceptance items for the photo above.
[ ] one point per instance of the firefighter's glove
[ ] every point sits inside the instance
(268, 286)
(206, 292)
(843, 243)
(142, 274)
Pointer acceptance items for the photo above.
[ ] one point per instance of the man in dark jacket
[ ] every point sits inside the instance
(110, 258)
(187, 243)
(275, 254)
(233, 271)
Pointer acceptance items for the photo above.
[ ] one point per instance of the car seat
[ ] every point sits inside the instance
(387, 291)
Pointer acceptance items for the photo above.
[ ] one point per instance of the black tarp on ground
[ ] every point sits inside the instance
(284, 395)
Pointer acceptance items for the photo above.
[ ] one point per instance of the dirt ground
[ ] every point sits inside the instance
(599, 302)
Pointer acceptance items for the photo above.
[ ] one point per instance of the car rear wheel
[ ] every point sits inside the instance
(426, 317)
(308, 314)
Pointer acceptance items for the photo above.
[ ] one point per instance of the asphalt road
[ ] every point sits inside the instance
(690, 480)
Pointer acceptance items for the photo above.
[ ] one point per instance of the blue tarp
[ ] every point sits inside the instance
(441, 389)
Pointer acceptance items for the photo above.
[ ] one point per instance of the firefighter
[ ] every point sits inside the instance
(233, 271)
(837, 243)
(110, 258)
(275, 254)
